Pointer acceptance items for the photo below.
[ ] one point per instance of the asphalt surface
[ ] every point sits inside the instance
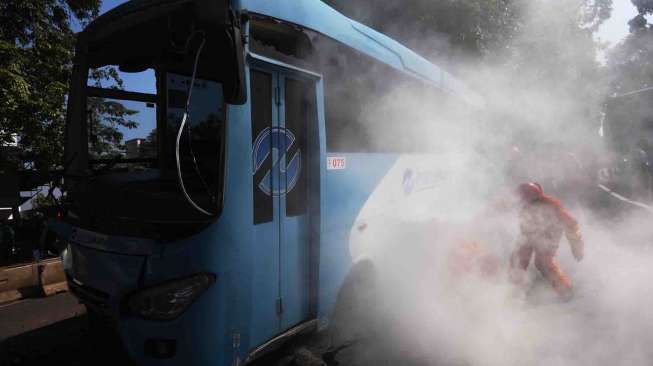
(54, 331)
(21, 317)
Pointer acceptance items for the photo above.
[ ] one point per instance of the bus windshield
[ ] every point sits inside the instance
(147, 162)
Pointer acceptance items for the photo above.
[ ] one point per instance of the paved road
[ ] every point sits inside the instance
(49, 331)
(27, 315)
(53, 331)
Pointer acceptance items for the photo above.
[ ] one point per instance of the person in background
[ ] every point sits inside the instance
(542, 221)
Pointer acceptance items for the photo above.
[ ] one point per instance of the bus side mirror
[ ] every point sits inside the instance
(218, 17)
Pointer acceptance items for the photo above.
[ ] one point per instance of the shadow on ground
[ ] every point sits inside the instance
(62, 343)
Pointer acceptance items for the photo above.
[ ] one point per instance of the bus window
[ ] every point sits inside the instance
(299, 107)
(201, 142)
(283, 42)
(261, 92)
(372, 107)
(121, 129)
(135, 168)
(353, 82)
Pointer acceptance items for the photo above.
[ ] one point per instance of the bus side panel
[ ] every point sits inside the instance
(347, 191)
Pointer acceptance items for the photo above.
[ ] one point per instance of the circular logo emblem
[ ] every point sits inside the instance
(277, 143)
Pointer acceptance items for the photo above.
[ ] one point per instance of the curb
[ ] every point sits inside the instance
(36, 279)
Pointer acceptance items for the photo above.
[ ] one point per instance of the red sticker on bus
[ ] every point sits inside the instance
(336, 163)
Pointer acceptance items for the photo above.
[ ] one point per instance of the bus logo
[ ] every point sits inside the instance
(420, 180)
(277, 141)
(408, 181)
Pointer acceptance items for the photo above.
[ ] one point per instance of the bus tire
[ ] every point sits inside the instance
(353, 316)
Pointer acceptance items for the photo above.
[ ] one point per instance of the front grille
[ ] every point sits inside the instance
(88, 295)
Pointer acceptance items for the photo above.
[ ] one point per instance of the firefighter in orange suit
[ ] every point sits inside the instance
(542, 221)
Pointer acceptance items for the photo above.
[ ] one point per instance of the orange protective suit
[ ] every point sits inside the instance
(542, 222)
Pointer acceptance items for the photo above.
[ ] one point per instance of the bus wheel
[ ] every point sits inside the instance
(353, 317)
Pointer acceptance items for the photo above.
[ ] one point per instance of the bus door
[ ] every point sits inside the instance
(284, 123)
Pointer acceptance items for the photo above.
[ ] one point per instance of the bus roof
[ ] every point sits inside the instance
(316, 15)
(319, 17)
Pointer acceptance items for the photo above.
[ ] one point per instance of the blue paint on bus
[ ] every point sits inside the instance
(262, 267)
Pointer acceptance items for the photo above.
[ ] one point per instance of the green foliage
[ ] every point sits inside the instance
(36, 50)
(455, 31)
(555, 65)
(594, 12)
(533, 60)
(631, 61)
(149, 147)
(442, 29)
(43, 201)
(630, 64)
(36, 43)
(104, 118)
(644, 6)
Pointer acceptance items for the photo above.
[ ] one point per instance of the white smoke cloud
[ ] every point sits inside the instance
(429, 315)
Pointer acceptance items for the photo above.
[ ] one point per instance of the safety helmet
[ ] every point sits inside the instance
(530, 191)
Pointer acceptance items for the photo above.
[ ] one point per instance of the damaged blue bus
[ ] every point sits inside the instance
(276, 143)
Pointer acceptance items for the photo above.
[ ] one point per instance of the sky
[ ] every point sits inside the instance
(616, 28)
(110, 4)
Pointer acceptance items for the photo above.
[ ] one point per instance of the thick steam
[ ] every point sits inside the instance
(432, 314)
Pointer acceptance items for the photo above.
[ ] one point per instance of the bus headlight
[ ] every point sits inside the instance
(168, 300)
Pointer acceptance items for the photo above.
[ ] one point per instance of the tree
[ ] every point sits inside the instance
(629, 106)
(631, 61)
(106, 116)
(148, 149)
(552, 70)
(451, 32)
(36, 50)
(445, 31)
(533, 61)
(643, 6)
